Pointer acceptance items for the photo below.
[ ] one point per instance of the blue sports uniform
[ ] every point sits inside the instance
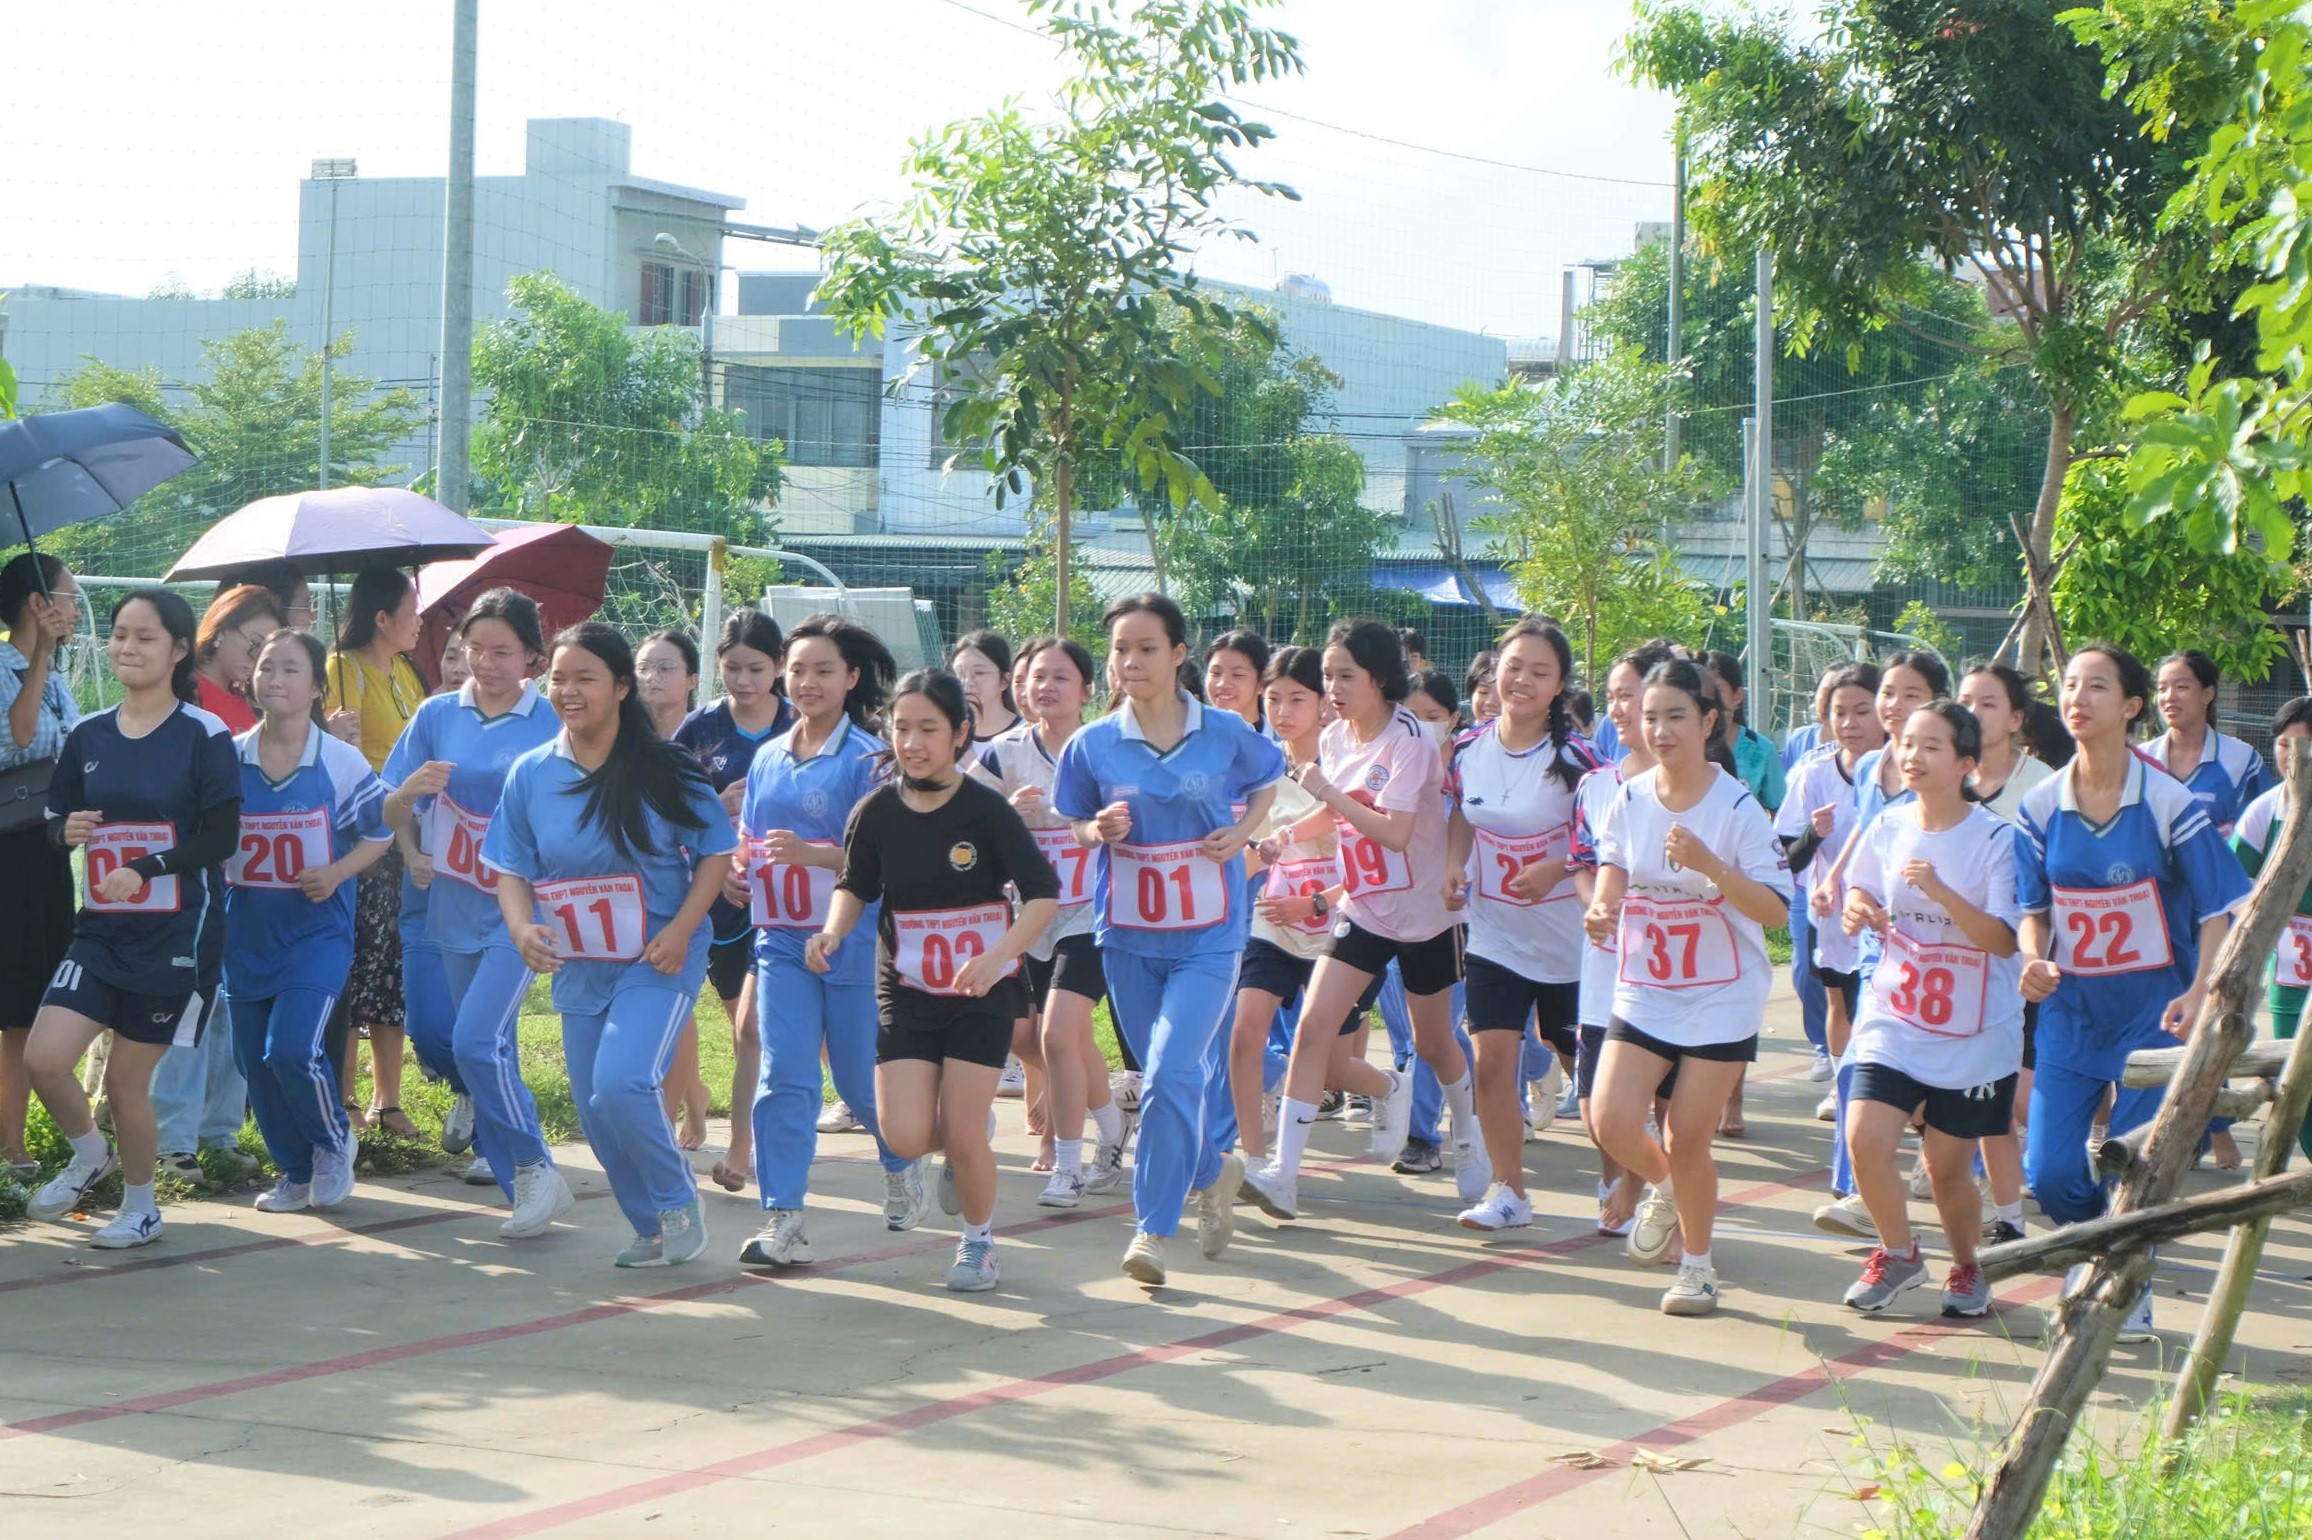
(146, 967)
(602, 903)
(726, 750)
(797, 1011)
(286, 957)
(2125, 903)
(1171, 965)
(2229, 776)
(485, 975)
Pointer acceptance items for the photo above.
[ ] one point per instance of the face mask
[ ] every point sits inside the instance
(1440, 734)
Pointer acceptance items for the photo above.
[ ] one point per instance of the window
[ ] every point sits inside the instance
(825, 416)
(672, 295)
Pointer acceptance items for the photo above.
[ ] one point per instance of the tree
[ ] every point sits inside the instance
(1040, 266)
(589, 422)
(1284, 535)
(1023, 595)
(255, 421)
(1576, 464)
(1977, 132)
(258, 283)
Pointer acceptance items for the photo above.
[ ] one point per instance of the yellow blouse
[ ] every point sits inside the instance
(386, 701)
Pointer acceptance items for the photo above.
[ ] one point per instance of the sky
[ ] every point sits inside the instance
(1453, 158)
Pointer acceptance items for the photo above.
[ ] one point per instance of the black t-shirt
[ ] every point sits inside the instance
(958, 857)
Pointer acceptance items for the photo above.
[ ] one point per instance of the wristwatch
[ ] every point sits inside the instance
(1318, 903)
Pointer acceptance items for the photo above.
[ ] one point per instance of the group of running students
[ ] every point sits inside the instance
(917, 881)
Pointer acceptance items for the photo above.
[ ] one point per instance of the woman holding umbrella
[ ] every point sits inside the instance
(373, 691)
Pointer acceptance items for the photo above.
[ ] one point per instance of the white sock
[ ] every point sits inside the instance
(1293, 1123)
(137, 1200)
(1699, 1259)
(1068, 1155)
(1110, 1123)
(983, 1232)
(1662, 1188)
(2011, 1212)
(90, 1149)
(1461, 1097)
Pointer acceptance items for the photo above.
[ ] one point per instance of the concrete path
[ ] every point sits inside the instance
(397, 1370)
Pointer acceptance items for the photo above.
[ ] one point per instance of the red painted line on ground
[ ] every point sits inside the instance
(1516, 1498)
(676, 1483)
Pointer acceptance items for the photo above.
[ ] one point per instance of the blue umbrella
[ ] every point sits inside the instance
(65, 468)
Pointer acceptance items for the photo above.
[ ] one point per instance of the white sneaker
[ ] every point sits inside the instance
(949, 1203)
(974, 1271)
(1922, 1184)
(1826, 1110)
(1216, 1206)
(1107, 1168)
(69, 1188)
(1501, 1210)
(182, 1166)
(1393, 1118)
(332, 1177)
(1276, 1191)
(1823, 1066)
(1144, 1259)
(904, 1203)
(128, 1229)
(1654, 1229)
(838, 1118)
(1124, 1090)
(1694, 1293)
(1569, 1104)
(1472, 1166)
(458, 1127)
(540, 1198)
(478, 1173)
(782, 1242)
(2138, 1325)
(1542, 1099)
(1064, 1190)
(285, 1197)
(1014, 1081)
(1847, 1216)
(1271, 1104)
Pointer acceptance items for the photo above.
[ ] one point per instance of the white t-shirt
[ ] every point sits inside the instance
(2028, 772)
(1820, 781)
(1308, 860)
(1397, 895)
(1520, 813)
(1598, 964)
(1015, 758)
(1937, 1007)
(1693, 968)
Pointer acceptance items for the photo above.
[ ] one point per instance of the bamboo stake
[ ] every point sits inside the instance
(2054, 1250)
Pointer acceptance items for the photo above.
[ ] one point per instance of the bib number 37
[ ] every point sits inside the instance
(1676, 944)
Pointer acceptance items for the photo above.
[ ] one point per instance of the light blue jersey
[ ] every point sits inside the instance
(1171, 906)
(462, 905)
(1869, 802)
(2125, 902)
(601, 903)
(2229, 776)
(276, 937)
(812, 799)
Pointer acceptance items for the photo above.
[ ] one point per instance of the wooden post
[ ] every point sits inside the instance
(2052, 1251)
(2087, 1321)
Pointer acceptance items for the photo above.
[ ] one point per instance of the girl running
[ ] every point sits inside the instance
(1233, 667)
(2127, 891)
(1689, 876)
(2253, 838)
(800, 790)
(1940, 1032)
(982, 660)
(1380, 774)
(609, 846)
(667, 665)
(449, 770)
(1063, 967)
(150, 792)
(2223, 774)
(936, 851)
(425, 988)
(726, 736)
(1513, 785)
(1152, 784)
(312, 821)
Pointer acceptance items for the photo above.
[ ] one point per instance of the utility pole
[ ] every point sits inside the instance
(1565, 327)
(331, 171)
(1758, 598)
(457, 358)
(1674, 346)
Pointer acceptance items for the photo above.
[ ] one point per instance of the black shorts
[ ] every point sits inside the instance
(1848, 983)
(1500, 1000)
(158, 1021)
(1743, 1052)
(727, 965)
(2030, 1033)
(1585, 1067)
(1073, 966)
(1427, 967)
(919, 1026)
(1972, 1112)
(1271, 969)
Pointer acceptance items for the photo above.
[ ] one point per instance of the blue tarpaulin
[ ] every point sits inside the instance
(1438, 583)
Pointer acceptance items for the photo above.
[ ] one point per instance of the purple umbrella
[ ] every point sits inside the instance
(336, 530)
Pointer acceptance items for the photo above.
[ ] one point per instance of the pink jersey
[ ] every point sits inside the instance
(1398, 895)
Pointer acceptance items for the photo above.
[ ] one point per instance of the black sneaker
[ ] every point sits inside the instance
(1420, 1158)
(2001, 1231)
(1330, 1109)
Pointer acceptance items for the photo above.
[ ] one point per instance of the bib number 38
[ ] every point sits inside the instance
(1939, 989)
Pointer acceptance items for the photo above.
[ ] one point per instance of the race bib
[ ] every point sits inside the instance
(788, 897)
(115, 845)
(595, 919)
(2294, 965)
(2111, 930)
(275, 847)
(455, 843)
(1165, 887)
(1676, 943)
(1501, 857)
(1072, 861)
(1299, 879)
(1937, 987)
(1370, 868)
(930, 946)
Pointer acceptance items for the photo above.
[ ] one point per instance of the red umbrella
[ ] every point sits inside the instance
(560, 565)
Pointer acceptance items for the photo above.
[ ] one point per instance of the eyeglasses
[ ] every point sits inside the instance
(653, 670)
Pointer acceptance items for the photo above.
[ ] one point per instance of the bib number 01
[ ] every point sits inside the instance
(1165, 887)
